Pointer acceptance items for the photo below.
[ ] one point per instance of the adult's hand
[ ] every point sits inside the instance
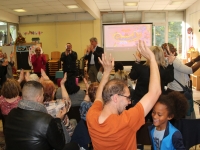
(64, 79)
(86, 84)
(144, 50)
(61, 113)
(27, 76)
(21, 76)
(107, 63)
(44, 75)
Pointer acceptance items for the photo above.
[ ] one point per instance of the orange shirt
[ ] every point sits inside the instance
(118, 132)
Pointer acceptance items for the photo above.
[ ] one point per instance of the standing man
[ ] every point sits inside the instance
(38, 61)
(69, 58)
(92, 56)
(110, 125)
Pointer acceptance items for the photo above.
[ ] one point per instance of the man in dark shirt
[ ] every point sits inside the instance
(69, 58)
(92, 56)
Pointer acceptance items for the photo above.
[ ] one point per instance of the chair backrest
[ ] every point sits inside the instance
(143, 136)
(190, 130)
(55, 55)
(47, 57)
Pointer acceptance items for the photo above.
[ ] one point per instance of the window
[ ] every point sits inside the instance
(3, 33)
(175, 35)
(158, 35)
(13, 33)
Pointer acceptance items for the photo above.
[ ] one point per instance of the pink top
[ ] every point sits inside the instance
(6, 107)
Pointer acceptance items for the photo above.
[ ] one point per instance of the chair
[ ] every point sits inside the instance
(54, 63)
(190, 129)
(81, 135)
(55, 55)
(47, 57)
(143, 136)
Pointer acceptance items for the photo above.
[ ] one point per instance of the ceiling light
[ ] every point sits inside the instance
(131, 4)
(72, 6)
(176, 2)
(19, 10)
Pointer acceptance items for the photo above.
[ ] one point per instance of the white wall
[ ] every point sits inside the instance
(192, 18)
(7, 17)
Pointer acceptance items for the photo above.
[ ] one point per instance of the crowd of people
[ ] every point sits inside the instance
(34, 111)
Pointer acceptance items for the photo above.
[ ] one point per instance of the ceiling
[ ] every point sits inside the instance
(37, 7)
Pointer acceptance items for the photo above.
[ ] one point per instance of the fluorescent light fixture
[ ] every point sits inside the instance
(176, 2)
(20, 10)
(131, 4)
(72, 6)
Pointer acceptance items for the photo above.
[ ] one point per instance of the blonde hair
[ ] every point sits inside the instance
(121, 74)
(159, 56)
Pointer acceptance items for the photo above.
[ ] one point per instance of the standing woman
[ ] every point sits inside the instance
(38, 61)
(181, 73)
(141, 73)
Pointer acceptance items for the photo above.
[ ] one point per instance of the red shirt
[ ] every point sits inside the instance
(6, 107)
(38, 63)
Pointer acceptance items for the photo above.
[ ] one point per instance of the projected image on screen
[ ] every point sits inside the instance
(121, 40)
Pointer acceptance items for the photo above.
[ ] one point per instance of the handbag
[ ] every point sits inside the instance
(189, 95)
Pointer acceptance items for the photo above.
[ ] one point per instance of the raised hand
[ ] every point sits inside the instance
(27, 76)
(21, 76)
(5, 63)
(64, 79)
(11, 55)
(144, 50)
(86, 84)
(137, 56)
(107, 63)
(44, 75)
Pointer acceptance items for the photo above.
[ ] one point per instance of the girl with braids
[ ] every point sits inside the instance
(163, 134)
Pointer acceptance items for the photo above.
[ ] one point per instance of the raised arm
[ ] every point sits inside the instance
(149, 99)
(86, 98)
(108, 64)
(65, 95)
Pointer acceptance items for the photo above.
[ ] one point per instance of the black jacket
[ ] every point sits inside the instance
(97, 53)
(33, 130)
(141, 73)
(69, 62)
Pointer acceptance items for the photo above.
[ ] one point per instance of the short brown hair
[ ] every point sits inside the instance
(11, 88)
(114, 86)
(92, 90)
(93, 39)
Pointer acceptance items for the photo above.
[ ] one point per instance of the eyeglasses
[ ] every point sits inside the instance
(128, 97)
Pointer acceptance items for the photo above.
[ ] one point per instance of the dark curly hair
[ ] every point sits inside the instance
(177, 104)
(171, 48)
